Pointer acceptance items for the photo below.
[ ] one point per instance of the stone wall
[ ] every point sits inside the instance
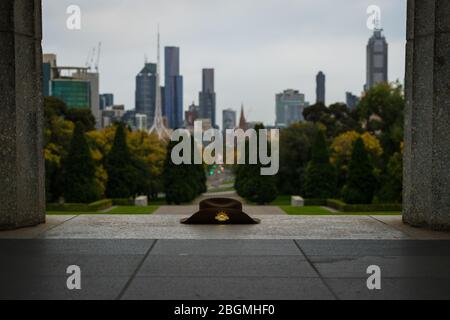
(22, 181)
(427, 126)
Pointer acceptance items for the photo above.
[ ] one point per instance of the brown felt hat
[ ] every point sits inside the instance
(220, 211)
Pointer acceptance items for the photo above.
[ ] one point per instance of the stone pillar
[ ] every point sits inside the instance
(427, 123)
(22, 180)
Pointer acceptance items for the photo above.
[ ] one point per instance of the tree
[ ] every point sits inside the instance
(122, 175)
(336, 119)
(57, 136)
(342, 148)
(251, 184)
(320, 176)
(392, 182)
(184, 182)
(361, 182)
(382, 111)
(79, 171)
(84, 116)
(295, 153)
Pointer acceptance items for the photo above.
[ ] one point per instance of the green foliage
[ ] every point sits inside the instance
(343, 207)
(361, 182)
(83, 116)
(123, 202)
(320, 175)
(79, 171)
(392, 182)
(79, 207)
(295, 153)
(182, 183)
(251, 184)
(122, 175)
(382, 110)
(336, 119)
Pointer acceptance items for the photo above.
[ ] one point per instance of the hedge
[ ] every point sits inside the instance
(80, 207)
(123, 202)
(343, 207)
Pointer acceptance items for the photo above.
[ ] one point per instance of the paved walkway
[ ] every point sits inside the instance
(284, 257)
(224, 269)
(276, 226)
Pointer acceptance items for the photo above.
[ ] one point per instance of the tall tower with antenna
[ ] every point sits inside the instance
(158, 126)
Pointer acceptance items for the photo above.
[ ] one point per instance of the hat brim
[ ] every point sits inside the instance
(220, 216)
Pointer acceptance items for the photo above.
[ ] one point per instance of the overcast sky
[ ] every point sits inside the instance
(258, 47)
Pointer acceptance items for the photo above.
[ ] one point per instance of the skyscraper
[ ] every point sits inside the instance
(228, 119)
(290, 105)
(146, 91)
(351, 100)
(320, 87)
(377, 60)
(207, 97)
(173, 91)
(106, 100)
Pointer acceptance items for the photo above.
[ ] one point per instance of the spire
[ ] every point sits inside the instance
(158, 123)
(242, 120)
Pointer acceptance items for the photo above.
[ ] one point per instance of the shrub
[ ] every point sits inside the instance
(80, 207)
(343, 207)
(123, 202)
(315, 202)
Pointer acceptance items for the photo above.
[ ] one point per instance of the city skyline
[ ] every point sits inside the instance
(253, 61)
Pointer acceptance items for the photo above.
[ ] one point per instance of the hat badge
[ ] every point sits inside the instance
(222, 217)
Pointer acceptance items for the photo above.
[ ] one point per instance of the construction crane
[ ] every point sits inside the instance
(91, 53)
(99, 50)
(93, 61)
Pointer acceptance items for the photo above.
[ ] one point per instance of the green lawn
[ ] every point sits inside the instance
(225, 189)
(125, 210)
(305, 210)
(313, 210)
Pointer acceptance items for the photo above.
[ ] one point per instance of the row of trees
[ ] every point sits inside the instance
(84, 165)
(338, 153)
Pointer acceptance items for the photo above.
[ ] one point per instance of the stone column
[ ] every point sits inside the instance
(427, 124)
(22, 180)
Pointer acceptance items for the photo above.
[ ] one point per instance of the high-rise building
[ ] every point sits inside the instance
(76, 86)
(94, 80)
(320, 88)
(228, 119)
(207, 96)
(141, 122)
(48, 72)
(145, 94)
(351, 100)
(377, 60)
(76, 94)
(290, 105)
(173, 91)
(106, 100)
(191, 115)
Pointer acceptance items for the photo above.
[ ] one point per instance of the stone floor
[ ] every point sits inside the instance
(284, 257)
(274, 225)
(224, 269)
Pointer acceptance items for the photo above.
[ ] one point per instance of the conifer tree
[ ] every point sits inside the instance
(320, 175)
(122, 175)
(361, 182)
(79, 170)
